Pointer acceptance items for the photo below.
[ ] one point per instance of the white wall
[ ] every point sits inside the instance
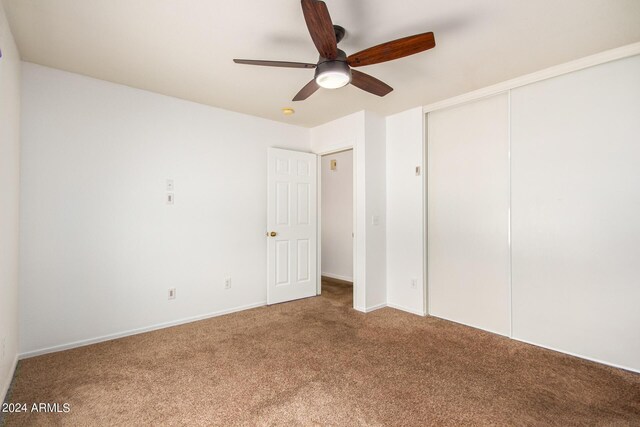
(337, 215)
(341, 134)
(405, 212)
(99, 246)
(468, 211)
(9, 212)
(576, 213)
(376, 210)
(365, 133)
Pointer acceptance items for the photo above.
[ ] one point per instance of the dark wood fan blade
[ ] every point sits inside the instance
(320, 27)
(306, 91)
(369, 83)
(284, 64)
(392, 50)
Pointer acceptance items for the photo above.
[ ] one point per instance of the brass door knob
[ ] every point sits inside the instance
(273, 234)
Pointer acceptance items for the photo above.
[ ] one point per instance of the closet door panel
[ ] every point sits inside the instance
(468, 214)
(575, 147)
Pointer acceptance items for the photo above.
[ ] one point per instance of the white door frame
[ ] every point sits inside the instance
(425, 212)
(319, 216)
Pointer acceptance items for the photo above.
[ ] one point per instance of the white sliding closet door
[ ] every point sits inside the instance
(576, 213)
(468, 214)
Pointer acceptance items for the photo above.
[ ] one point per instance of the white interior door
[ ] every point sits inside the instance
(292, 225)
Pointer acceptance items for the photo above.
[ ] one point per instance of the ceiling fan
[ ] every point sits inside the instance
(334, 67)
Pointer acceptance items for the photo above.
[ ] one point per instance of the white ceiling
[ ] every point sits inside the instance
(184, 48)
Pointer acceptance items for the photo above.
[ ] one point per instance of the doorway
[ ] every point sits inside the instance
(337, 226)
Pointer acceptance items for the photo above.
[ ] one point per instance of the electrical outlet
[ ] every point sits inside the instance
(227, 283)
(172, 293)
(169, 185)
(414, 283)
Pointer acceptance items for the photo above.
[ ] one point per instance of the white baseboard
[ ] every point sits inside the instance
(374, 308)
(136, 331)
(541, 345)
(626, 368)
(6, 382)
(471, 326)
(339, 277)
(408, 310)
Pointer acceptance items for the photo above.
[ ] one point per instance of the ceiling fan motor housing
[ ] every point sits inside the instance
(340, 32)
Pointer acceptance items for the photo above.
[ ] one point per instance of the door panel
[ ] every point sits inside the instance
(303, 203)
(576, 203)
(291, 215)
(282, 203)
(282, 263)
(303, 259)
(468, 211)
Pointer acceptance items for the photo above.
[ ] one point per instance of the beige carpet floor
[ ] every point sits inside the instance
(319, 362)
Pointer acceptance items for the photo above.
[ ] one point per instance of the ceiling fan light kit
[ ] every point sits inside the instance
(333, 74)
(333, 69)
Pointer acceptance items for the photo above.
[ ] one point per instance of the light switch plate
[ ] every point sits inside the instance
(170, 198)
(169, 185)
